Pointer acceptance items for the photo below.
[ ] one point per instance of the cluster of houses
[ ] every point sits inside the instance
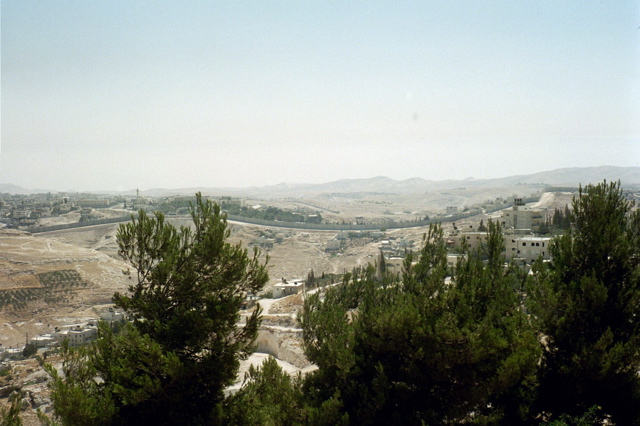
(519, 224)
(75, 334)
(25, 210)
(17, 210)
(268, 238)
(391, 246)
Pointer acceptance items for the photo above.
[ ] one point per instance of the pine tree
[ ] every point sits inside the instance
(557, 218)
(269, 396)
(566, 222)
(183, 348)
(381, 266)
(311, 280)
(587, 306)
(10, 416)
(423, 349)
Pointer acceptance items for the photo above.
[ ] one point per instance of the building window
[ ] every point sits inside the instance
(524, 244)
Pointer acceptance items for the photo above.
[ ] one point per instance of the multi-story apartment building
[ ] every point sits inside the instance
(521, 216)
(525, 247)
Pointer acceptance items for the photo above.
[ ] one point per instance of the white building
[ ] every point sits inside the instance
(521, 216)
(394, 265)
(42, 341)
(474, 239)
(285, 288)
(527, 248)
(77, 335)
(21, 213)
(452, 261)
(524, 247)
(111, 315)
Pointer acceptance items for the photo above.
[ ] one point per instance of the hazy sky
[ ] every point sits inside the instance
(125, 94)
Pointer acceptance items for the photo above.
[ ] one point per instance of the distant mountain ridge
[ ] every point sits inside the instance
(572, 177)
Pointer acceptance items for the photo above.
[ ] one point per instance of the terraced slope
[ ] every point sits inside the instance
(44, 283)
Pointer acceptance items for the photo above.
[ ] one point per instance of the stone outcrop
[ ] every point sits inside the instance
(282, 343)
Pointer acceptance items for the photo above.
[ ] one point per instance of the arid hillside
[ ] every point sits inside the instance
(45, 283)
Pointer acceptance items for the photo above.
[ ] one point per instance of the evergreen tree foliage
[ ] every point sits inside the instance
(10, 416)
(422, 349)
(120, 379)
(269, 396)
(587, 304)
(311, 280)
(592, 416)
(172, 364)
(561, 219)
(381, 266)
(29, 350)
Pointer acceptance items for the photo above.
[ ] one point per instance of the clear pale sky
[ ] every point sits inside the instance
(100, 95)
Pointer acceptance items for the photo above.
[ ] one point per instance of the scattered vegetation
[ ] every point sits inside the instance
(10, 416)
(57, 287)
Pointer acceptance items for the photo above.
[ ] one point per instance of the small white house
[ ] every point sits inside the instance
(285, 288)
(42, 341)
(111, 315)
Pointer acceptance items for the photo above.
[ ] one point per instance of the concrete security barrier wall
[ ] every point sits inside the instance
(92, 222)
(560, 189)
(271, 223)
(329, 226)
(278, 224)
